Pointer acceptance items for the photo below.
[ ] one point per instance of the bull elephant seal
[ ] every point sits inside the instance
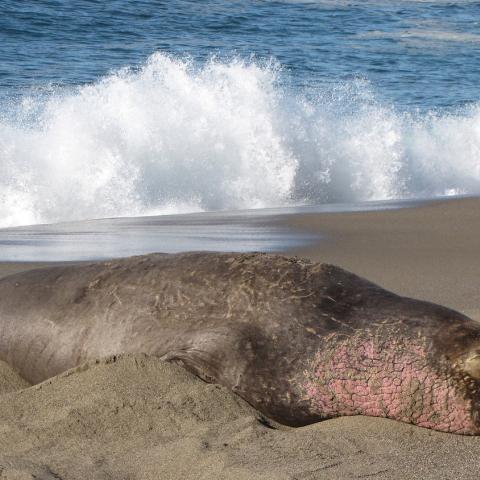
(298, 340)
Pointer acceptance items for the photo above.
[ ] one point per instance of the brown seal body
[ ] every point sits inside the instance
(298, 340)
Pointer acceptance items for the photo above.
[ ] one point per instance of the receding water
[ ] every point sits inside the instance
(131, 108)
(265, 230)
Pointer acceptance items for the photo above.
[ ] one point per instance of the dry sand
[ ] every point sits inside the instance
(10, 381)
(135, 417)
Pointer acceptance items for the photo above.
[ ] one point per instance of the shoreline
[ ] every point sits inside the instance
(426, 250)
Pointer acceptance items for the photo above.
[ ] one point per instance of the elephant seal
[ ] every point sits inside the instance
(300, 341)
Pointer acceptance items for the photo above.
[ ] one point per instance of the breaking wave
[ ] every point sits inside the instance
(174, 136)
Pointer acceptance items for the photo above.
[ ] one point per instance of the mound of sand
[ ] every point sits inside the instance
(10, 380)
(135, 417)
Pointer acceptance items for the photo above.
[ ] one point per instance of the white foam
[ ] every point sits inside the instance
(176, 137)
(425, 34)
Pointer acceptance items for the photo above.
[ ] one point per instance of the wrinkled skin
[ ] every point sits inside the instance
(300, 341)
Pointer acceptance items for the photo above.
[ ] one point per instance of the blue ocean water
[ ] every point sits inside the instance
(126, 108)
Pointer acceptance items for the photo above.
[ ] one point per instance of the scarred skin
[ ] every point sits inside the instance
(298, 340)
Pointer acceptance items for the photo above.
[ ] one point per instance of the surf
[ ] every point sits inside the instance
(175, 135)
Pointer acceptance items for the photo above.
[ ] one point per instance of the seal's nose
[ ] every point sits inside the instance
(472, 365)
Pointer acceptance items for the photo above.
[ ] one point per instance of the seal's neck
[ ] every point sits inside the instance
(392, 378)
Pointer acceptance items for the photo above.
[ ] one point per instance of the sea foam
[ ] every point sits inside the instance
(175, 136)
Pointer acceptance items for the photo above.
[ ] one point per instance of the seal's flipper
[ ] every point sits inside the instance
(214, 355)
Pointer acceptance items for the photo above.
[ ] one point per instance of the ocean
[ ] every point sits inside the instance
(138, 108)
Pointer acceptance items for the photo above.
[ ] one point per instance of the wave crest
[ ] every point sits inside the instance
(173, 136)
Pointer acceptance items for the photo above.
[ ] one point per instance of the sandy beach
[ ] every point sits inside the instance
(134, 417)
(292, 140)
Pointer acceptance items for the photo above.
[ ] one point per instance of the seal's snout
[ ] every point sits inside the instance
(472, 365)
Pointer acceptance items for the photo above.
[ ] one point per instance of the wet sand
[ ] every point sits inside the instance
(137, 418)
(9, 268)
(431, 252)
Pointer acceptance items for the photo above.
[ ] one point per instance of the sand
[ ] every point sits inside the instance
(9, 268)
(10, 380)
(135, 417)
(431, 252)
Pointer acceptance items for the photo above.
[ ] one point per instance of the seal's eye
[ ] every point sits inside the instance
(472, 365)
